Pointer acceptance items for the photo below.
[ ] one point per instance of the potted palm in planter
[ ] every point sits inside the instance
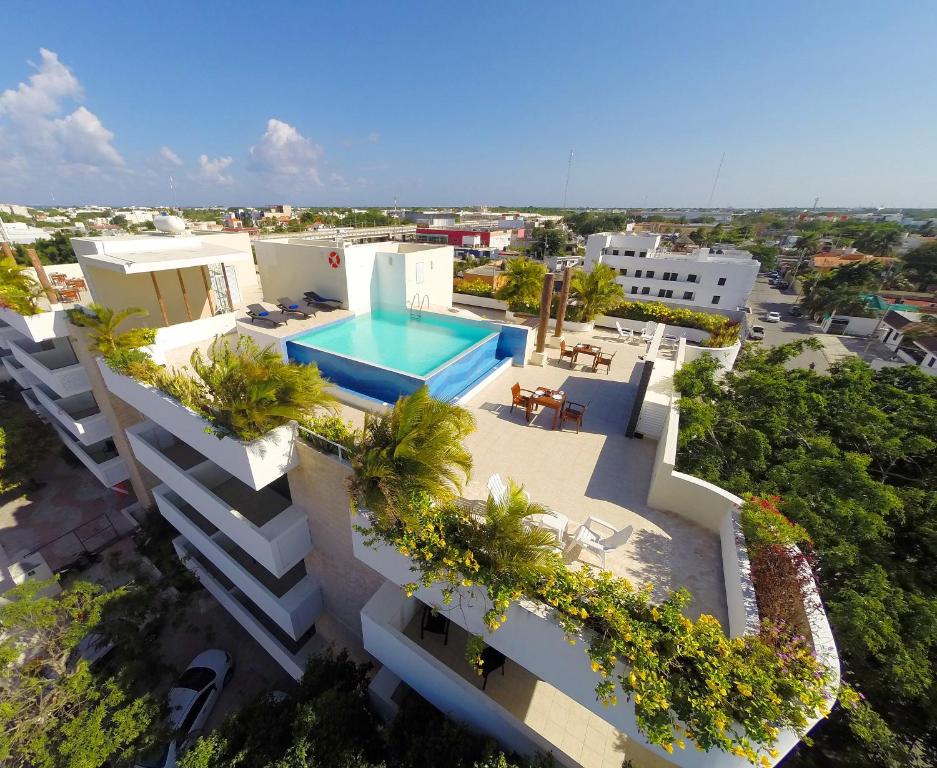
(524, 281)
(596, 293)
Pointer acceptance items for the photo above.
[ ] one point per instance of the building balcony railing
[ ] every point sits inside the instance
(79, 414)
(101, 459)
(264, 523)
(292, 602)
(53, 362)
(291, 655)
(38, 327)
(18, 372)
(257, 463)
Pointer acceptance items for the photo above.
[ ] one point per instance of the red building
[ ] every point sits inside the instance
(494, 238)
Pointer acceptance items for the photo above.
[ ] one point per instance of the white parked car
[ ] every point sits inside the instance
(191, 701)
(756, 332)
(773, 317)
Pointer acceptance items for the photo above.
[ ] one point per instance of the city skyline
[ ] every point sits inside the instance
(486, 113)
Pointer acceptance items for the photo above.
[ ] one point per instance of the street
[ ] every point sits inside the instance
(765, 298)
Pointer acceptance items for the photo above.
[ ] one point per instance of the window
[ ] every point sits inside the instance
(721, 281)
(629, 253)
(692, 279)
(645, 291)
(665, 294)
(688, 295)
(637, 273)
(930, 363)
(605, 251)
(192, 715)
(623, 272)
(650, 273)
(666, 276)
(642, 255)
(196, 678)
(673, 275)
(614, 251)
(634, 289)
(715, 299)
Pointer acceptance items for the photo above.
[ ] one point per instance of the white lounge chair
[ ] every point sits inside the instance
(499, 489)
(623, 334)
(598, 537)
(647, 333)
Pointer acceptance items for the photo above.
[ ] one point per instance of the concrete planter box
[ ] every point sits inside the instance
(38, 327)
(64, 380)
(573, 327)
(90, 429)
(277, 545)
(18, 372)
(109, 472)
(257, 463)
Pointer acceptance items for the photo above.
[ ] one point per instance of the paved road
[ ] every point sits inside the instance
(766, 299)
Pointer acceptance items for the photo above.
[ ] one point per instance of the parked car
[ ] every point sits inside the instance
(756, 332)
(773, 317)
(783, 286)
(191, 701)
(772, 281)
(796, 311)
(746, 310)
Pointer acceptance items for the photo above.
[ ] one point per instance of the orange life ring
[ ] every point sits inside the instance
(334, 260)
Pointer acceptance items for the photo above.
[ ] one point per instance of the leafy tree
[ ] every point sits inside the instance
(840, 290)
(19, 290)
(920, 265)
(119, 220)
(414, 451)
(25, 441)
(597, 291)
(550, 241)
(523, 284)
(881, 241)
(767, 255)
(53, 711)
(103, 323)
(853, 455)
(56, 249)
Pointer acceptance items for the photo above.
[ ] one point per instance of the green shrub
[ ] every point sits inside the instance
(473, 288)
(333, 429)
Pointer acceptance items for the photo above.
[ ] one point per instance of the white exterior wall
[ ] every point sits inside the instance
(737, 268)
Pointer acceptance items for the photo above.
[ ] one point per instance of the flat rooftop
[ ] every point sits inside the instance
(152, 253)
(598, 472)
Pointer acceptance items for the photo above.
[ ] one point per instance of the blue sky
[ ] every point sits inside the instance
(471, 103)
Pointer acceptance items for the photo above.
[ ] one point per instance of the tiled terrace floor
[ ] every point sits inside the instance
(581, 735)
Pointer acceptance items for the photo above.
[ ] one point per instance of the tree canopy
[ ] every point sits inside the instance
(853, 456)
(920, 265)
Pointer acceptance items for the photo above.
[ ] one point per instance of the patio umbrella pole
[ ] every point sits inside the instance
(564, 300)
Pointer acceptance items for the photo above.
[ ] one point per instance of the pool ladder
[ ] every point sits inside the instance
(416, 305)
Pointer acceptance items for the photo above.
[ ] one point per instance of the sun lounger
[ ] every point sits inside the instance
(314, 298)
(288, 306)
(257, 312)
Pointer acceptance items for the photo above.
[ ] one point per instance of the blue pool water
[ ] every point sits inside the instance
(386, 354)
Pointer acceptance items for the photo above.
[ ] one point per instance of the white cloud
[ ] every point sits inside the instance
(37, 132)
(338, 180)
(169, 156)
(374, 137)
(212, 171)
(285, 152)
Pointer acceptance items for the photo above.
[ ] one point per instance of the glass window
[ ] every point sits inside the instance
(650, 273)
(614, 251)
(629, 253)
(645, 291)
(634, 289)
(691, 278)
(192, 715)
(722, 281)
(196, 678)
(688, 295)
(715, 299)
(637, 273)
(623, 272)
(642, 254)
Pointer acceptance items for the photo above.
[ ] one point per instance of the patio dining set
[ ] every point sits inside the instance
(67, 289)
(564, 409)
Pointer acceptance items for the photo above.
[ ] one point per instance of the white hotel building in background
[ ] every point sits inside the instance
(707, 278)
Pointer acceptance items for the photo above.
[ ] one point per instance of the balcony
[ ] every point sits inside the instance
(8, 333)
(32, 403)
(525, 713)
(79, 414)
(256, 464)
(263, 523)
(18, 372)
(38, 327)
(101, 459)
(53, 362)
(292, 602)
(292, 655)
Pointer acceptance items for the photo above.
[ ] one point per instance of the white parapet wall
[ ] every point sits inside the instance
(38, 327)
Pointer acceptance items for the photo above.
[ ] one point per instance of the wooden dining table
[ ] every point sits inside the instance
(587, 349)
(550, 398)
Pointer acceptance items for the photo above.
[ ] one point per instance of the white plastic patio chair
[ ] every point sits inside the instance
(499, 489)
(647, 333)
(623, 335)
(598, 537)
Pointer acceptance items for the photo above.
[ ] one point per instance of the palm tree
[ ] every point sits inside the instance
(19, 291)
(413, 453)
(597, 291)
(523, 285)
(104, 322)
(248, 391)
(503, 544)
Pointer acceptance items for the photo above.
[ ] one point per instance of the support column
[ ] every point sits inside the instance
(185, 294)
(203, 271)
(546, 296)
(43, 277)
(8, 257)
(564, 300)
(227, 287)
(159, 298)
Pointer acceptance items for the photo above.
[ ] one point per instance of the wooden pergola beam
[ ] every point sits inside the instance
(185, 294)
(203, 271)
(159, 298)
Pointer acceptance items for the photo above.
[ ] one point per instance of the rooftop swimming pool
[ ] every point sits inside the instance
(387, 353)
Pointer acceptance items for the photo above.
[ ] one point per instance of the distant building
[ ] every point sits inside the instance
(17, 233)
(704, 278)
(496, 239)
(921, 352)
(14, 210)
(843, 257)
(430, 218)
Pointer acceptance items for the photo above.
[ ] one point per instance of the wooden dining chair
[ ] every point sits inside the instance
(519, 398)
(573, 411)
(602, 359)
(570, 353)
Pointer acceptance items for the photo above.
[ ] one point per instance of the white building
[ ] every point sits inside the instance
(921, 352)
(17, 233)
(16, 210)
(704, 278)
